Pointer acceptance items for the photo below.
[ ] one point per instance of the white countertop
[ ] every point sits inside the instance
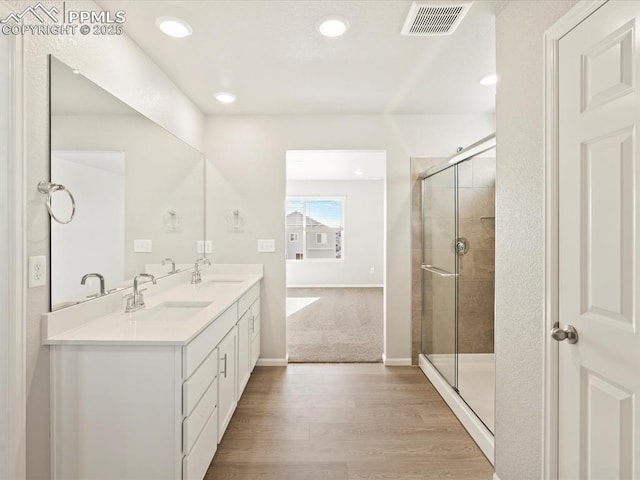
(120, 328)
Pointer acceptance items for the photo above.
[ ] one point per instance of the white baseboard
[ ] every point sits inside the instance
(496, 477)
(335, 286)
(273, 362)
(396, 362)
(480, 434)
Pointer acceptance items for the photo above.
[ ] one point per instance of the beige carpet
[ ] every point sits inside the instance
(334, 324)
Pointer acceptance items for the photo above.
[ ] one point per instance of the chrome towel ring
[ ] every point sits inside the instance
(48, 189)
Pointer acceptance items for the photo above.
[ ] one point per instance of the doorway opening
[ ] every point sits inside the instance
(335, 237)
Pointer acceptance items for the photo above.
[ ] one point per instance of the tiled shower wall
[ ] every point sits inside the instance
(476, 197)
(476, 210)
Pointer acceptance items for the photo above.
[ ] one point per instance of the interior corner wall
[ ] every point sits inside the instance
(246, 172)
(117, 64)
(520, 253)
(363, 236)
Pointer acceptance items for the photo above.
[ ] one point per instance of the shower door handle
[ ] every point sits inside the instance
(569, 333)
(438, 271)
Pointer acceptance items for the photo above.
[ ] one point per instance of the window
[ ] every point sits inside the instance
(315, 228)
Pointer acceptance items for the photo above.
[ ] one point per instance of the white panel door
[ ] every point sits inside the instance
(599, 167)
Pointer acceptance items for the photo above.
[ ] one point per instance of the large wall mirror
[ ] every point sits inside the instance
(138, 189)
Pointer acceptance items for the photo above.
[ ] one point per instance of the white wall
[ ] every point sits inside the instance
(520, 237)
(117, 64)
(363, 236)
(246, 171)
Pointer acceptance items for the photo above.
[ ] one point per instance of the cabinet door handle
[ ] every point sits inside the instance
(225, 365)
(253, 323)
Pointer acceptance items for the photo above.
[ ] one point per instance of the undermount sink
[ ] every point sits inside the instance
(170, 311)
(221, 282)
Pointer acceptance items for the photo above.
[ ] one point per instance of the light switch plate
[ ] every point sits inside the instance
(37, 271)
(204, 246)
(142, 246)
(266, 246)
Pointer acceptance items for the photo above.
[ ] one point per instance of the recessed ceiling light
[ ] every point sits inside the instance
(333, 26)
(489, 80)
(225, 97)
(174, 27)
(358, 172)
(76, 71)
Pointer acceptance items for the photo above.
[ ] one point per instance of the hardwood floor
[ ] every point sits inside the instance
(345, 421)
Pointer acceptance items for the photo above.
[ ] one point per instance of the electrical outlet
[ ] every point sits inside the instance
(37, 271)
(372, 271)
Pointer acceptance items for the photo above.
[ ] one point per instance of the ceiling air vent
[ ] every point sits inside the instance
(428, 19)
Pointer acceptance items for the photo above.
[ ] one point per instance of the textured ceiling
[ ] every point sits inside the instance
(271, 56)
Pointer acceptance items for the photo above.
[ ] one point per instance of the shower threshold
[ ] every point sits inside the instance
(470, 421)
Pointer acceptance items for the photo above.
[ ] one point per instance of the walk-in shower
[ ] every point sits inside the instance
(457, 270)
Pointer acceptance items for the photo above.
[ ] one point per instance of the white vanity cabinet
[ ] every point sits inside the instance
(248, 309)
(227, 380)
(254, 333)
(244, 352)
(135, 411)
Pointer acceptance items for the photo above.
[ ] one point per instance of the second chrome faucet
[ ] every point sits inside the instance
(196, 276)
(135, 301)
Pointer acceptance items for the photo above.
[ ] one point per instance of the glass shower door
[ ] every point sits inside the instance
(439, 267)
(476, 279)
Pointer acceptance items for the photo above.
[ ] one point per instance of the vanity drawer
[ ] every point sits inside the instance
(200, 347)
(195, 465)
(248, 298)
(194, 388)
(193, 425)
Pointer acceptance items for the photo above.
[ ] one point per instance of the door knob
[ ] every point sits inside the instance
(569, 333)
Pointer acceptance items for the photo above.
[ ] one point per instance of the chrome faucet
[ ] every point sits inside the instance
(196, 276)
(135, 301)
(173, 264)
(99, 277)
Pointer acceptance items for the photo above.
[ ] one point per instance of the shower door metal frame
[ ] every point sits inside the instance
(473, 150)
